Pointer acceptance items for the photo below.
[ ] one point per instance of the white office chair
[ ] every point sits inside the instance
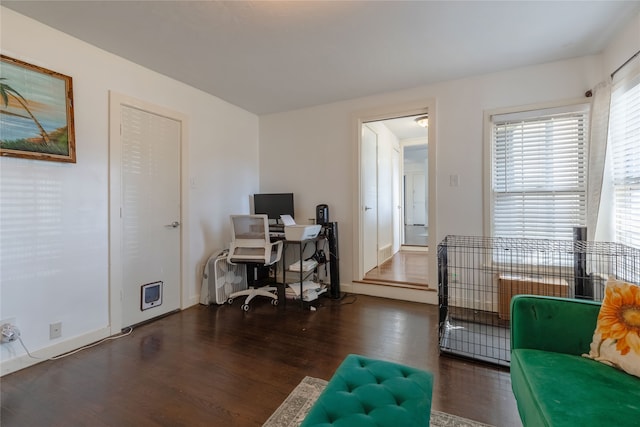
(251, 245)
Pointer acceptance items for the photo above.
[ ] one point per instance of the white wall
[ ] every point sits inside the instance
(624, 45)
(322, 139)
(54, 216)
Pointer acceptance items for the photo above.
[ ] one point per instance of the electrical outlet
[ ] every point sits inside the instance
(9, 332)
(55, 330)
(9, 320)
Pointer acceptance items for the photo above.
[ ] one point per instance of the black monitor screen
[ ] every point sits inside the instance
(273, 205)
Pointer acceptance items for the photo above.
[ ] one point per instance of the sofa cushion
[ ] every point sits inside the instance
(616, 340)
(367, 392)
(555, 389)
(560, 325)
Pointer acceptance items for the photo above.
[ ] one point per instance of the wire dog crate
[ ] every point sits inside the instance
(477, 276)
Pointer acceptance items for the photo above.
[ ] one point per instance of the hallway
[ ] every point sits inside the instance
(406, 267)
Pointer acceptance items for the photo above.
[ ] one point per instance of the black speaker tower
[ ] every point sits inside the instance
(334, 258)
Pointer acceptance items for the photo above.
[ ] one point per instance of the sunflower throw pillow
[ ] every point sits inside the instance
(616, 340)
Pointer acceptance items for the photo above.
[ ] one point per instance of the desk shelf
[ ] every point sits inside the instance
(298, 276)
(292, 276)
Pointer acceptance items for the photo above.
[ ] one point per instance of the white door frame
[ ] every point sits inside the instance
(427, 106)
(116, 101)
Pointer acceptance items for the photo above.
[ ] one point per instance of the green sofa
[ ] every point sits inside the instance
(554, 385)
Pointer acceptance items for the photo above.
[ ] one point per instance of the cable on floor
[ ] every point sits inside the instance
(355, 298)
(114, 337)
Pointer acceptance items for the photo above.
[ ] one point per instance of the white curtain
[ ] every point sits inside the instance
(600, 106)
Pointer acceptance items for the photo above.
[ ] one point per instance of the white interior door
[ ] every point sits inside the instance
(150, 211)
(369, 207)
(419, 189)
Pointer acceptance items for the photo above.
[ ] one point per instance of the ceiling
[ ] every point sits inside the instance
(273, 56)
(406, 128)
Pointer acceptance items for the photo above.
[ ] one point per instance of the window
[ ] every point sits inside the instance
(539, 172)
(624, 144)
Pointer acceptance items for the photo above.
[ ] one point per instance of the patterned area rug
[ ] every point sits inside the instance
(297, 404)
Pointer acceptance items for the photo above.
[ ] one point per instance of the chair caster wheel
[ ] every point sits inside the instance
(274, 302)
(245, 307)
(230, 301)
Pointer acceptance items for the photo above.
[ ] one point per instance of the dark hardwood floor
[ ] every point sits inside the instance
(220, 366)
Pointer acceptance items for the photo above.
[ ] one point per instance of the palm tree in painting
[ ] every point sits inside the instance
(7, 91)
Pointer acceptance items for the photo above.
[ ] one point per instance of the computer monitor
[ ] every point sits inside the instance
(273, 204)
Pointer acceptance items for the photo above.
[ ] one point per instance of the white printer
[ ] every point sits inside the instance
(297, 232)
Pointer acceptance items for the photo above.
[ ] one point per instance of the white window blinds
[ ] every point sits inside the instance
(624, 140)
(539, 175)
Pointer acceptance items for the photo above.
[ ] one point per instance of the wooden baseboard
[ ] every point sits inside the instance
(409, 248)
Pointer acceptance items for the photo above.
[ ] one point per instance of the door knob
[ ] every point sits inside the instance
(174, 224)
(367, 208)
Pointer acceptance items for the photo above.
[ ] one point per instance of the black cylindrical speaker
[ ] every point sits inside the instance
(322, 214)
(583, 283)
(334, 259)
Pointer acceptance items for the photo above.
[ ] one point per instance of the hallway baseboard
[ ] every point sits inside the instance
(412, 248)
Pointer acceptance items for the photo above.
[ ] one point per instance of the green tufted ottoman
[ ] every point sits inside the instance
(367, 392)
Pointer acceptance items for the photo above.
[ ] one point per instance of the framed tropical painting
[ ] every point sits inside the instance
(36, 112)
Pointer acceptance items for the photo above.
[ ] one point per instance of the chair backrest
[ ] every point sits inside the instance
(250, 240)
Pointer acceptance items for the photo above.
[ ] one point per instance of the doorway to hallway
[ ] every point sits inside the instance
(394, 199)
